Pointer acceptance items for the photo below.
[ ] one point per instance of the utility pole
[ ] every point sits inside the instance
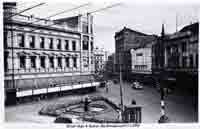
(120, 76)
(176, 22)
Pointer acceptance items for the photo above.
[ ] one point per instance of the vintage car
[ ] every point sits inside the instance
(137, 85)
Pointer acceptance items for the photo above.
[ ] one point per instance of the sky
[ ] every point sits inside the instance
(146, 18)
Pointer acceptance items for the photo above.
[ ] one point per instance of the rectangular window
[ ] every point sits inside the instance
(184, 47)
(20, 40)
(191, 61)
(74, 62)
(5, 39)
(22, 60)
(197, 59)
(33, 61)
(50, 43)
(66, 44)
(41, 42)
(67, 61)
(58, 43)
(184, 61)
(59, 62)
(6, 61)
(85, 27)
(51, 62)
(91, 29)
(73, 45)
(32, 41)
(139, 54)
(91, 44)
(42, 61)
(85, 45)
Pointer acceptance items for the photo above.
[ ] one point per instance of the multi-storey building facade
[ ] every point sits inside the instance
(127, 42)
(100, 58)
(110, 65)
(141, 57)
(180, 55)
(40, 52)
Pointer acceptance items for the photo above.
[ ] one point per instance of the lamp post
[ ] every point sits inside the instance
(120, 76)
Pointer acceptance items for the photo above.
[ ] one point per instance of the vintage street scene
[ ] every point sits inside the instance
(100, 62)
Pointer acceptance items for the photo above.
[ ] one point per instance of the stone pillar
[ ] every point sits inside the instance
(55, 62)
(37, 41)
(70, 45)
(15, 43)
(55, 42)
(62, 44)
(26, 41)
(37, 62)
(63, 62)
(9, 39)
(28, 62)
(16, 62)
(46, 62)
(70, 62)
(78, 61)
(9, 60)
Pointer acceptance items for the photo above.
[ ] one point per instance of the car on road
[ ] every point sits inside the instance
(137, 85)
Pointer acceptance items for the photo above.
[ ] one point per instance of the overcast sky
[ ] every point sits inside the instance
(146, 18)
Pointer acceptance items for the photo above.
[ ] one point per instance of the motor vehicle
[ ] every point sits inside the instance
(137, 85)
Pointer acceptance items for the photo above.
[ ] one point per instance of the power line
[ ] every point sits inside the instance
(55, 23)
(107, 7)
(65, 11)
(69, 10)
(25, 10)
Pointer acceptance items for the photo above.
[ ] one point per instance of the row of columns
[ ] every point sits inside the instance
(37, 41)
(180, 59)
(16, 62)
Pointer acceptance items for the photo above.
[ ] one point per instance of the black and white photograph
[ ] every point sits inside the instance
(100, 63)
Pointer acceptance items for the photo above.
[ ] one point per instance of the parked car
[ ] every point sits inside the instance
(115, 81)
(137, 85)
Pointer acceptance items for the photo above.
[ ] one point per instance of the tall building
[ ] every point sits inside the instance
(125, 41)
(40, 53)
(141, 57)
(110, 65)
(100, 59)
(180, 56)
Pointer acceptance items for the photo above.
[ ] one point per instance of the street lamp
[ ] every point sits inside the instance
(121, 92)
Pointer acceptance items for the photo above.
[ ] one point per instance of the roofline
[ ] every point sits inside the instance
(44, 27)
(116, 33)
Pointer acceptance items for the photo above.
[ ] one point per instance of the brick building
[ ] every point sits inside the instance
(100, 59)
(127, 43)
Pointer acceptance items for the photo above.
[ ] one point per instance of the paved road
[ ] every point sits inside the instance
(178, 108)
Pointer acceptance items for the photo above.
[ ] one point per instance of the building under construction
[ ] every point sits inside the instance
(42, 55)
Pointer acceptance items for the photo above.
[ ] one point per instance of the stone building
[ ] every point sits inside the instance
(110, 65)
(141, 57)
(126, 43)
(179, 56)
(40, 52)
(100, 58)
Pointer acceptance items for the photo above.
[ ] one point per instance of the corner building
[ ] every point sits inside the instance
(41, 53)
